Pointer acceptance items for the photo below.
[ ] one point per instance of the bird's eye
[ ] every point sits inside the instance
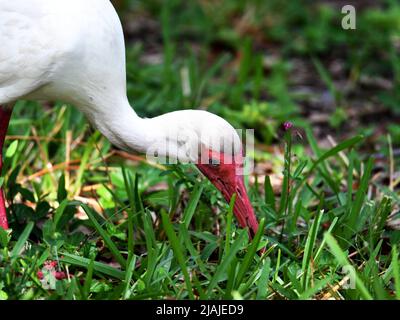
(213, 162)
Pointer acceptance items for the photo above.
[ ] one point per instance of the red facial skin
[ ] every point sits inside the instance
(228, 179)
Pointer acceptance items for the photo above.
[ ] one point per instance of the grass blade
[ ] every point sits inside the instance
(192, 205)
(308, 250)
(88, 280)
(351, 220)
(229, 219)
(396, 271)
(19, 246)
(262, 288)
(343, 261)
(97, 266)
(244, 266)
(334, 151)
(269, 193)
(226, 261)
(128, 276)
(178, 251)
(109, 243)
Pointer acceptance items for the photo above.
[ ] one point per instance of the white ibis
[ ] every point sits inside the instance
(74, 51)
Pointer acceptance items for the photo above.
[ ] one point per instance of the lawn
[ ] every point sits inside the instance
(90, 221)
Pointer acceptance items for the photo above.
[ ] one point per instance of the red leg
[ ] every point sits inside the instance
(5, 115)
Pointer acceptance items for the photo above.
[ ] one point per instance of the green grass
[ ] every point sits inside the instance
(121, 228)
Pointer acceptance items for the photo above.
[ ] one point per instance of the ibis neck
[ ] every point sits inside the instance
(121, 125)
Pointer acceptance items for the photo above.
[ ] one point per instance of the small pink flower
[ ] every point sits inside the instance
(287, 125)
(60, 275)
(40, 274)
(49, 265)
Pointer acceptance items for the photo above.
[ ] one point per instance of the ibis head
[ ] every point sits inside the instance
(226, 173)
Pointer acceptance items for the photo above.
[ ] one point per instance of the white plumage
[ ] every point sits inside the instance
(74, 51)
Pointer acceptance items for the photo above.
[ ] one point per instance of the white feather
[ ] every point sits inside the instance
(74, 51)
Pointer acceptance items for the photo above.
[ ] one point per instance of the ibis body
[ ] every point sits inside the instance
(74, 51)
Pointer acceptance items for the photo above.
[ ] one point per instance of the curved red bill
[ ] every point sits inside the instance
(243, 209)
(227, 176)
